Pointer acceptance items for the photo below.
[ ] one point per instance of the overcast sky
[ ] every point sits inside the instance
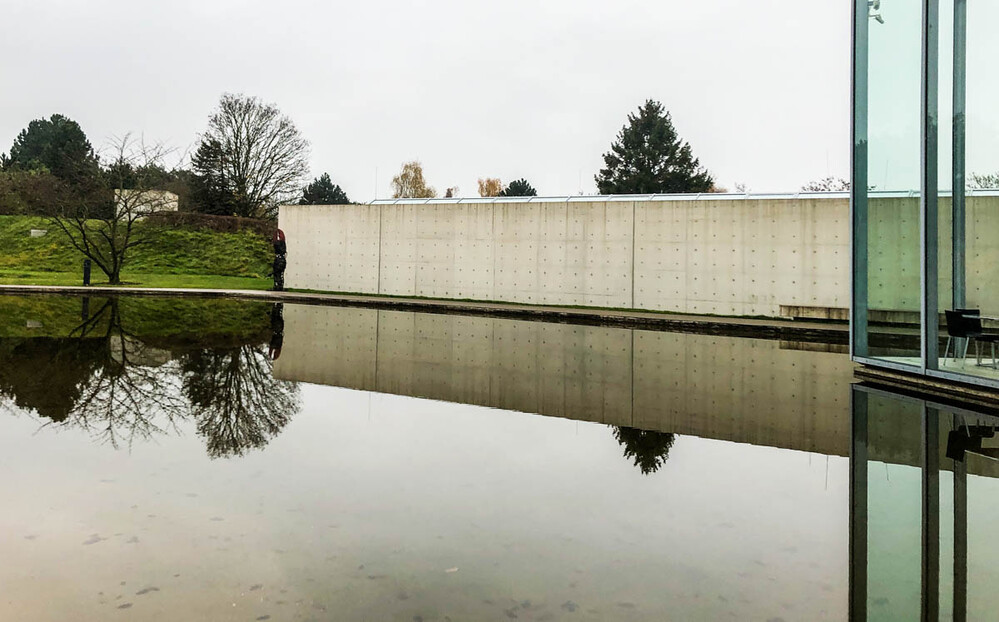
(511, 88)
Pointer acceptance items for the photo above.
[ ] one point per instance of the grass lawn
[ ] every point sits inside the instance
(172, 257)
(199, 281)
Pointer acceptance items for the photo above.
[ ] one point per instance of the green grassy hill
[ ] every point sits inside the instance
(173, 257)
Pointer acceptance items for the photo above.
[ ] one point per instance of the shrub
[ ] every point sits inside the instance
(210, 222)
(30, 193)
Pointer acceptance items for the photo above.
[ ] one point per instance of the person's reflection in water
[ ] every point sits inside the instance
(277, 331)
(650, 450)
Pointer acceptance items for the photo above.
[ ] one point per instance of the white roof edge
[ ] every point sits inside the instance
(616, 198)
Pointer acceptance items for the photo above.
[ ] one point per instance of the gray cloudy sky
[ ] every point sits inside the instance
(511, 88)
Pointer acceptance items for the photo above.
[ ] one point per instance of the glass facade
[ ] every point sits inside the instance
(925, 204)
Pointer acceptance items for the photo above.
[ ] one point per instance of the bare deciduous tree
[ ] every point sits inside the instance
(828, 184)
(410, 183)
(263, 159)
(103, 226)
(983, 181)
(490, 187)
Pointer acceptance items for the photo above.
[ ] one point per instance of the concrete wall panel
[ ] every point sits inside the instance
(721, 256)
(332, 247)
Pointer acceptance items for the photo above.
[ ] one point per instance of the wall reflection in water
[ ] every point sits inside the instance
(743, 390)
(922, 534)
(648, 385)
(126, 370)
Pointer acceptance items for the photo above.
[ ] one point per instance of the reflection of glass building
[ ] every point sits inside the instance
(922, 513)
(925, 212)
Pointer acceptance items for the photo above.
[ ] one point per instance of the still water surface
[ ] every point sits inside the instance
(215, 460)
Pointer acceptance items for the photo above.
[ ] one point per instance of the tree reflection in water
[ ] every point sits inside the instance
(650, 450)
(237, 402)
(128, 396)
(198, 361)
(53, 393)
(119, 388)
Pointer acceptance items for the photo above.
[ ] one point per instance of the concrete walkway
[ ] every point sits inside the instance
(760, 328)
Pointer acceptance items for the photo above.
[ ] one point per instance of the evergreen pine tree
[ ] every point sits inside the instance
(56, 144)
(322, 191)
(519, 188)
(210, 191)
(649, 157)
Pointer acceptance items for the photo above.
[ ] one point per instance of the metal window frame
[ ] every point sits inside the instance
(859, 180)
(929, 238)
(958, 155)
(930, 194)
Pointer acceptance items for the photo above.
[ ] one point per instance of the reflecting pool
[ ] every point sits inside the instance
(221, 460)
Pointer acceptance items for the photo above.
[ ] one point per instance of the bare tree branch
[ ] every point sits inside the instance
(103, 226)
(255, 153)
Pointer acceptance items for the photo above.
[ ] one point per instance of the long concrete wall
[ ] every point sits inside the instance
(726, 256)
(723, 256)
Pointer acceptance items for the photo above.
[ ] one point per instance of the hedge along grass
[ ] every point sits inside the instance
(168, 251)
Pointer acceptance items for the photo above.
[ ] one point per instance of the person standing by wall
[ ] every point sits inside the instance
(280, 259)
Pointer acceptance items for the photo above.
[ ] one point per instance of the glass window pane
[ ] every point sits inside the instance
(893, 108)
(969, 173)
(894, 487)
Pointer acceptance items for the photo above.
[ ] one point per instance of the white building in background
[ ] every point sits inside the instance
(145, 202)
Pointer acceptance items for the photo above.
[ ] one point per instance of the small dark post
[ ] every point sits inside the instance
(86, 272)
(85, 311)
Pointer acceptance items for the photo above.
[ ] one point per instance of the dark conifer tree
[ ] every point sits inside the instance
(322, 191)
(211, 192)
(519, 188)
(649, 157)
(56, 144)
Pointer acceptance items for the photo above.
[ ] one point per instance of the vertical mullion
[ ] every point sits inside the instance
(931, 516)
(929, 215)
(858, 504)
(960, 540)
(858, 183)
(958, 243)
